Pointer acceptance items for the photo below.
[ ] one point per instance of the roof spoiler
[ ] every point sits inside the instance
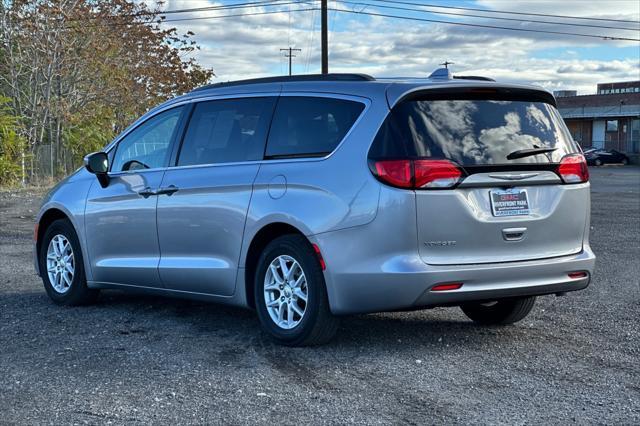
(482, 90)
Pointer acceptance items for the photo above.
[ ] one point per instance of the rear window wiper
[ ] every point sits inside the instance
(521, 153)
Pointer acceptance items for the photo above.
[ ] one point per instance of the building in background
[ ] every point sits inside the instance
(609, 119)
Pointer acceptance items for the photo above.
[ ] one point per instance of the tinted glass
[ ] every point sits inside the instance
(226, 131)
(473, 132)
(310, 126)
(147, 146)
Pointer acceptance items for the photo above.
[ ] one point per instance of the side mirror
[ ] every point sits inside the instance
(98, 164)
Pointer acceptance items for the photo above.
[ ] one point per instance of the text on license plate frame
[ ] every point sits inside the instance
(508, 196)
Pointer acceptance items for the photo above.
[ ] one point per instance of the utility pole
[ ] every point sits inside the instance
(324, 38)
(290, 55)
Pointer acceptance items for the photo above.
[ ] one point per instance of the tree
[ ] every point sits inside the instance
(78, 71)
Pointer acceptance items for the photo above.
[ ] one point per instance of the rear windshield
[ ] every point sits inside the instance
(473, 132)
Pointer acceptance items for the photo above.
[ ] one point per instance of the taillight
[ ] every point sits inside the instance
(395, 172)
(418, 174)
(436, 174)
(573, 169)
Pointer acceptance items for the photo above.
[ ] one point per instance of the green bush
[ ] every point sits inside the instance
(12, 146)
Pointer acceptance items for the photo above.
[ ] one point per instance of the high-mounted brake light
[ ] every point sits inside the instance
(573, 169)
(418, 174)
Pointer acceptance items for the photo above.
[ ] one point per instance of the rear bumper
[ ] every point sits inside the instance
(405, 282)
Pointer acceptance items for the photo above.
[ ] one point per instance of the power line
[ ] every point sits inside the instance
(236, 15)
(253, 4)
(465, 24)
(159, 21)
(508, 12)
(502, 18)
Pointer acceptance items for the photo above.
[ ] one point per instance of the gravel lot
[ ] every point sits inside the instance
(134, 358)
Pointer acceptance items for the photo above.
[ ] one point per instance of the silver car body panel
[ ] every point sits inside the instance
(194, 243)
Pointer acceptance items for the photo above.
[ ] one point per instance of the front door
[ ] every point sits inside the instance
(201, 215)
(120, 220)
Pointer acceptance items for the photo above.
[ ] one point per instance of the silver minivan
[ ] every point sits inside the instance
(308, 198)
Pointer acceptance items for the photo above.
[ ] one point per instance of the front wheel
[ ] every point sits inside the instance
(61, 266)
(290, 294)
(625, 161)
(598, 162)
(500, 312)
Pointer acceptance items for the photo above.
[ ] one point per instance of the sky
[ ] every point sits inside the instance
(249, 46)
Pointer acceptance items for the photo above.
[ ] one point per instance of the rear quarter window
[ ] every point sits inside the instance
(473, 132)
(310, 126)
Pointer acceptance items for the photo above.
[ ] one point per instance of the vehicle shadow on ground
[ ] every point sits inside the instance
(124, 313)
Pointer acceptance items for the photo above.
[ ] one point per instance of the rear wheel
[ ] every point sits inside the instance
(290, 294)
(62, 267)
(507, 311)
(625, 161)
(598, 162)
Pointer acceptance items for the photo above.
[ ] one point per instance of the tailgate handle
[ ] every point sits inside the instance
(513, 234)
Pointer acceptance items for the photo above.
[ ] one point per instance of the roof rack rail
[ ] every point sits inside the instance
(472, 77)
(292, 78)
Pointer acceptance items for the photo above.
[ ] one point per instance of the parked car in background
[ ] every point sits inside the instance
(598, 157)
(307, 198)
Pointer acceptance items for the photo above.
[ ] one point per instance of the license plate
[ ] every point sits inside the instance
(510, 202)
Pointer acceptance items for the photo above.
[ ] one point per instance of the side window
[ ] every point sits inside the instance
(148, 145)
(310, 126)
(226, 131)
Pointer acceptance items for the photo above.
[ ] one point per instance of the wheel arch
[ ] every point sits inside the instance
(264, 236)
(46, 219)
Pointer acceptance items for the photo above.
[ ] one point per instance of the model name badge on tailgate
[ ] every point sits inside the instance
(440, 243)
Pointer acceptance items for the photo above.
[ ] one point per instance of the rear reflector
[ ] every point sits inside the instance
(35, 232)
(573, 169)
(319, 255)
(446, 287)
(418, 174)
(578, 274)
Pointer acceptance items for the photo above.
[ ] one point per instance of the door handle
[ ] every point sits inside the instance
(147, 192)
(168, 190)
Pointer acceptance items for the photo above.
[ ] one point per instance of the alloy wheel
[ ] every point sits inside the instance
(60, 263)
(285, 292)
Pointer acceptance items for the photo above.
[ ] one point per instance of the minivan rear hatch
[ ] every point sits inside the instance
(496, 174)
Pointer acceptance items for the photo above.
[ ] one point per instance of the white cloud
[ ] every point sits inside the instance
(246, 47)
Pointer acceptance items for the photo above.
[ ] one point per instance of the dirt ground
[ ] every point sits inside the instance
(139, 359)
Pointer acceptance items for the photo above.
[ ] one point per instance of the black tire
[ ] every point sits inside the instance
(598, 162)
(625, 161)
(317, 326)
(78, 292)
(501, 312)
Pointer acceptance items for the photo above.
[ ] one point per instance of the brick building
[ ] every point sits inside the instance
(609, 119)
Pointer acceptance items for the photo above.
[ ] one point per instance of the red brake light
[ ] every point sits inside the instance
(395, 172)
(415, 174)
(573, 169)
(436, 174)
